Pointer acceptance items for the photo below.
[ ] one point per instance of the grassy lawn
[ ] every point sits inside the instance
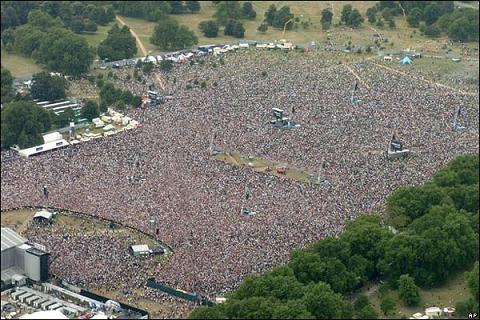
(402, 36)
(263, 165)
(17, 219)
(462, 75)
(445, 296)
(101, 33)
(144, 30)
(20, 67)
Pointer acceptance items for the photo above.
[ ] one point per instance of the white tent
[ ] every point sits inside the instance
(141, 249)
(51, 137)
(43, 214)
(108, 127)
(51, 314)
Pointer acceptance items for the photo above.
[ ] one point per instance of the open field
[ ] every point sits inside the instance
(266, 166)
(462, 75)
(20, 67)
(401, 37)
(445, 296)
(17, 219)
(101, 33)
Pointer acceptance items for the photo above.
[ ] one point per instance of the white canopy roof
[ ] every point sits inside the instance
(140, 248)
(51, 314)
(43, 214)
(11, 239)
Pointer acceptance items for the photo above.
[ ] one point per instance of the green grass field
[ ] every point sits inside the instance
(266, 166)
(445, 296)
(101, 33)
(19, 66)
(402, 36)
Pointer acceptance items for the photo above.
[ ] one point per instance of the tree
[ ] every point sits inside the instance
(22, 123)
(234, 28)
(326, 19)
(464, 308)
(262, 28)
(8, 38)
(209, 28)
(147, 68)
(248, 12)
(431, 13)
(118, 45)
(57, 48)
(408, 291)
(64, 118)
(6, 83)
(414, 17)
(345, 15)
(391, 24)
(126, 97)
(169, 35)
(90, 110)
(292, 309)
(207, 313)
(472, 281)
(323, 303)
(388, 306)
(166, 65)
(355, 19)
(282, 16)
(361, 302)
(432, 31)
(270, 14)
(176, 7)
(193, 6)
(227, 10)
(136, 101)
(371, 15)
(367, 312)
(47, 87)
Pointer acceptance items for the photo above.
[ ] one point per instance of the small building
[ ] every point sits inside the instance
(140, 250)
(43, 216)
(433, 312)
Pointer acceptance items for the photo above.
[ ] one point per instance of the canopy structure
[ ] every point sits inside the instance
(406, 60)
(43, 214)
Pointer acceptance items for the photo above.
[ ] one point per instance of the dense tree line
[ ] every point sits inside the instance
(470, 306)
(7, 85)
(78, 16)
(48, 42)
(441, 237)
(15, 13)
(155, 10)
(119, 44)
(432, 17)
(23, 123)
(46, 87)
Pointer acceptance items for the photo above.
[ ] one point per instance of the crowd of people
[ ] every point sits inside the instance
(196, 201)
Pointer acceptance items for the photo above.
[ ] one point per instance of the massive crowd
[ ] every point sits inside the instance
(196, 201)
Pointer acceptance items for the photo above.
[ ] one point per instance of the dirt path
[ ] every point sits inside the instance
(142, 49)
(357, 76)
(426, 80)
